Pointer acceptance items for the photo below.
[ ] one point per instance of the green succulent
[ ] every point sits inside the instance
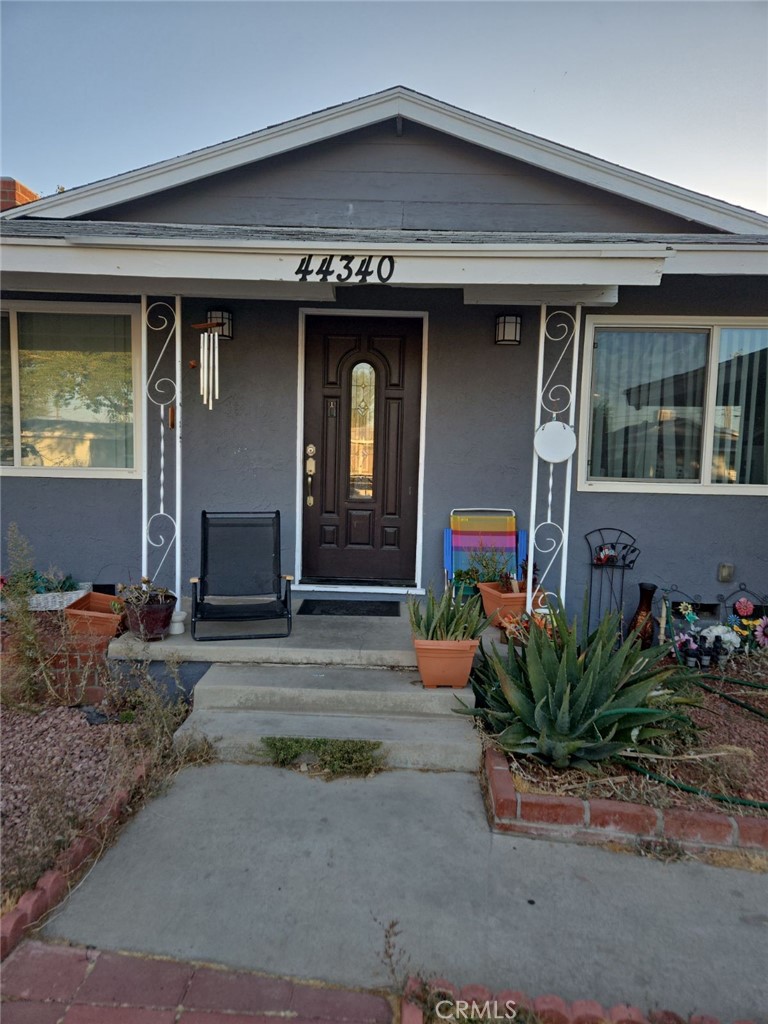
(447, 617)
(571, 700)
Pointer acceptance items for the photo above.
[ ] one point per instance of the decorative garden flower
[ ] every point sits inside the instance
(686, 610)
(744, 608)
(686, 642)
(729, 638)
(761, 631)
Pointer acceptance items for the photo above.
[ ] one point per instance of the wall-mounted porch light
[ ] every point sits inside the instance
(223, 318)
(508, 329)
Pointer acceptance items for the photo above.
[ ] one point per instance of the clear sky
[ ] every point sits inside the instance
(678, 90)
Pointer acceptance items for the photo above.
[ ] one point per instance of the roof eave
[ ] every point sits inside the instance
(368, 110)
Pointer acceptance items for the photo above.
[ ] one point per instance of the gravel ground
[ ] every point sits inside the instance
(56, 769)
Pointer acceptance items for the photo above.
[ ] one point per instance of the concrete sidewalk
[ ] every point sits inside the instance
(269, 870)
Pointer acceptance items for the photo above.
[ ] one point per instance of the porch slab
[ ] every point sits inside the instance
(428, 742)
(377, 642)
(330, 688)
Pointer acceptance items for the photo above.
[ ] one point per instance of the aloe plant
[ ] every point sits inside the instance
(446, 618)
(570, 700)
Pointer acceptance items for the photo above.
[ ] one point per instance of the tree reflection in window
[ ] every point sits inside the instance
(362, 431)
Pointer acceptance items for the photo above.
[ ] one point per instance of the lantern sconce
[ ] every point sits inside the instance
(508, 329)
(223, 319)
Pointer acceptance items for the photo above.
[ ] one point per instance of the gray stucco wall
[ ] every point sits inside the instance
(89, 528)
(480, 415)
(373, 178)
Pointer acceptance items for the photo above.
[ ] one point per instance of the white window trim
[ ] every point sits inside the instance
(15, 306)
(715, 324)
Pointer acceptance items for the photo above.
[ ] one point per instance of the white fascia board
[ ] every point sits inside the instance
(424, 110)
(187, 288)
(542, 265)
(540, 295)
(721, 261)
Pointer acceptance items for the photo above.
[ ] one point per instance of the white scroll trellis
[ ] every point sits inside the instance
(554, 445)
(161, 326)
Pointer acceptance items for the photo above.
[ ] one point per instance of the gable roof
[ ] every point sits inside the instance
(398, 102)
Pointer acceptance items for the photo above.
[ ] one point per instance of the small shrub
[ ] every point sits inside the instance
(571, 699)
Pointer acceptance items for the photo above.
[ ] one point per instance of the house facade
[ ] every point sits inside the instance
(428, 311)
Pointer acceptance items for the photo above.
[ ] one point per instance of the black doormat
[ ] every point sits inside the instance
(310, 607)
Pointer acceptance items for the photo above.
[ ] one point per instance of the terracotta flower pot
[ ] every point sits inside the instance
(445, 662)
(498, 603)
(93, 614)
(150, 621)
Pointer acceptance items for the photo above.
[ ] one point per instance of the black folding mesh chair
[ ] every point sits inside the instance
(240, 579)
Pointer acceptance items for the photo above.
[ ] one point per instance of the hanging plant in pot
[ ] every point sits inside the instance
(148, 608)
(446, 634)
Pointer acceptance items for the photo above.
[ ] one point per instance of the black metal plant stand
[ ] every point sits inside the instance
(611, 553)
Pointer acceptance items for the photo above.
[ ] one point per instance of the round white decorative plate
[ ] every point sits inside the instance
(555, 441)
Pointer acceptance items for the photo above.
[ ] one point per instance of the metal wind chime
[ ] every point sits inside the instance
(218, 327)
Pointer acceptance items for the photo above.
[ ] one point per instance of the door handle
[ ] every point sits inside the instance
(310, 467)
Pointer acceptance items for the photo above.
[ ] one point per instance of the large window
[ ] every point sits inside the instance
(68, 395)
(675, 405)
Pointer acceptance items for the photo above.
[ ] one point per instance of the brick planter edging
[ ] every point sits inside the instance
(53, 885)
(571, 819)
(549, 1009)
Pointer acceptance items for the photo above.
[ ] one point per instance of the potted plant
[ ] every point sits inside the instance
(484, 565)
(504, 597)
(446, 633)
(148, 608)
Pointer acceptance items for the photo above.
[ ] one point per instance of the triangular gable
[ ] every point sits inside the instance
(397, 102)
(396, 175)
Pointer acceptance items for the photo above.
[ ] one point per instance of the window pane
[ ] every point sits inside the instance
(6, 394)
(361, 440)
(647, 404)
(740, 455)
(76, 390)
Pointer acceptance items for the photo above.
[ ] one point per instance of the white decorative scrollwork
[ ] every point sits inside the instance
(554, 444)
(163, 392)
(159, 321)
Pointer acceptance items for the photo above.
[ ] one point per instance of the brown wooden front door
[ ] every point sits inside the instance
(361, 415)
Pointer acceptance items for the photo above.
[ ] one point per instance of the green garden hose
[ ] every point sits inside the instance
(728, 697)
(741, 801)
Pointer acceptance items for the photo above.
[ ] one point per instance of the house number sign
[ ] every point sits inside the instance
(343, 269)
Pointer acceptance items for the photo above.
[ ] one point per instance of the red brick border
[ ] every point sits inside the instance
(598, 821)
(53, 885)
(549, 1009)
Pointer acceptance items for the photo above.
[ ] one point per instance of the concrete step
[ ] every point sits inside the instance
(315, 640)
(428, 742)
(313, 688)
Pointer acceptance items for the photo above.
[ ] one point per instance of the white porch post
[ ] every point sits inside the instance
(554, 443)
(161, 387)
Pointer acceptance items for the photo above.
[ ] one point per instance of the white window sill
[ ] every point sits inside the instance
(670, 487)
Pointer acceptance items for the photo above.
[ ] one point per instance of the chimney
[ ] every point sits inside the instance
(13, 194)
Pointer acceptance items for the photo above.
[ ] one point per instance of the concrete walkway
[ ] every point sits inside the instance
(269, 870)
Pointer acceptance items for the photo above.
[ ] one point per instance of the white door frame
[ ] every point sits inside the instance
(304, 312)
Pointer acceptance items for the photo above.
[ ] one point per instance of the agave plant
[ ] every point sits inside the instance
(446, 618)
(571, 700)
